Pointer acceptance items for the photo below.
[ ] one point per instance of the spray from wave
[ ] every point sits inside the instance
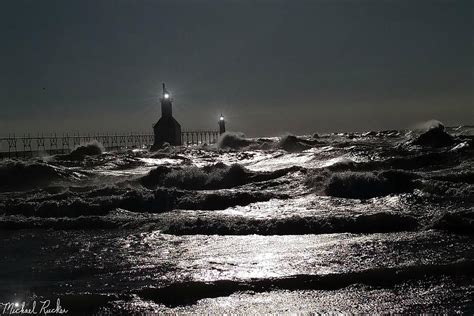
(92, 148)
(232, 140)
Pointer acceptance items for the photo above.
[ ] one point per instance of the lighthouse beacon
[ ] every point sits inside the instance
(167, 129)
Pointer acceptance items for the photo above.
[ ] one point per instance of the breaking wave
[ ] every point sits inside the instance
(289, 143)
(367, 185)
(230, 140)
(99, 202)
(292, 143)
(361, 185)
(218, 176)
(92, 148)
(23, 175)
(435, 136)
(294, 225)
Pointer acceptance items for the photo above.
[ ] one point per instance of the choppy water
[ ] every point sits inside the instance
(371, 222)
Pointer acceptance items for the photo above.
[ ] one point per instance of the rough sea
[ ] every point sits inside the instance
(376, 222)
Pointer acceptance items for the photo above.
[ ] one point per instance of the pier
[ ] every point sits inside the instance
(29, 146)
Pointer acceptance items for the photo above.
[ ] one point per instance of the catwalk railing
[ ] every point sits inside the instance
(21, 146)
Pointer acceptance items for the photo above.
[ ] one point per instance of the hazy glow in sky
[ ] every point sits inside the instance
(269, 66)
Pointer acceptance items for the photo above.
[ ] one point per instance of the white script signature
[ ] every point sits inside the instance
(35, 308)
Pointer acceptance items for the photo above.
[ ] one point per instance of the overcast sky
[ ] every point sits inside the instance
(270, 67)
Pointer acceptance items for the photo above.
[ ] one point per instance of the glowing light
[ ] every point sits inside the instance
(166, 95)
(222, 118)
(17, 304)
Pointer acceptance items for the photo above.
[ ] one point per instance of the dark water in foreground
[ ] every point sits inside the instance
(336, 223)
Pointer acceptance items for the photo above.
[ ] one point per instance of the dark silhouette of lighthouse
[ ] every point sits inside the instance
(167, 129)
(221, 125)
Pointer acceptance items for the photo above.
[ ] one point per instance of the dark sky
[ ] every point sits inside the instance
(270, 67)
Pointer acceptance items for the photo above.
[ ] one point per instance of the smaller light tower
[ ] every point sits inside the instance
(221, 125)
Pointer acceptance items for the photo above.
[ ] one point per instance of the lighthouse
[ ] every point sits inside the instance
(221, 125)
(167, 129)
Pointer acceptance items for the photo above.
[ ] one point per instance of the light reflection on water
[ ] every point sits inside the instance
(118, 261)
(207, 258)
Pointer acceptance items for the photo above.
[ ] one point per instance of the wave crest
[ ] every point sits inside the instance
(218, 176)
(22, 175)
(231, 140)
(294, 225)
(92, 148)
(364, 185)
